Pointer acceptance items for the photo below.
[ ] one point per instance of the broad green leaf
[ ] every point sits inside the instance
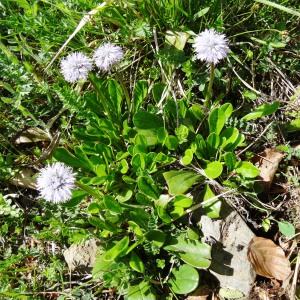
(112, 204)
(119, 249)
(171, 142)
(261, 111)
(230, 160)
(182, 201)
(211, 208)
(213, 169)
(247, 169)
(286, 228)
(98, 223)
(146, 120)
(158, 237)
(141, 291)
(293, 126)
(136, 263)
(212, 144)
(194, 253)
(147, 186)
(116, 96)
(227, 109)
(139, 94)
(68, 158)
(180, 181)
(77, 197)
(216, 121)
(230, 134)
(188, 157)
(101, 266)
(184, 280)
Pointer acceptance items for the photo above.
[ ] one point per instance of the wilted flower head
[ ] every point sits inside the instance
(55, 182)
(107, 55)
(75, 66)
(211, 46)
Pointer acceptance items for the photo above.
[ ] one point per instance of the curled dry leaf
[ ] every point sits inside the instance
(268, 162)
(268, 259)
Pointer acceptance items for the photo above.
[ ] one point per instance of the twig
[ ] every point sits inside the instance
(251, 144)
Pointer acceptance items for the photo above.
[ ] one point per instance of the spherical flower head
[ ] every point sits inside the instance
(76, 66)
(107, 55)
(56, 182)
(211, 46)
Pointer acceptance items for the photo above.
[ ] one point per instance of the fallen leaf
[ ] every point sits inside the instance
(268, 162)
(268, 259)
(32, 135)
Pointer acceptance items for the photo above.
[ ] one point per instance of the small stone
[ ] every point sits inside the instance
(81, 257)
(230, 264)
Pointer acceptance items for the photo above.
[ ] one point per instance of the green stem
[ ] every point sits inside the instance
(208, 95)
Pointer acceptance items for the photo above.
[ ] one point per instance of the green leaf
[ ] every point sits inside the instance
(247, 169)
(136, 263)
(261, 111)
(201, 13)
(213, 169)
(194, 253)
(139, 94)
(216, 121)
(281, 7)
(286, 228)
(77, 197)
(182, 201)
(211, 208)
(230, 160)
(180, 181)
(158, 237)
(116, 95)
(141, 291)
(184, 280)
(112, 204)
(119, 249)
(188, 157)
(146, 120)
(227, 109)
(182, 133)
(101, 266)
(146, 186)
(63, 155)
(171, 142)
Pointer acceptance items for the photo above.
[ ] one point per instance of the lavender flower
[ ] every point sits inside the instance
(56, 182)
(76, 66)
(107, 55)
(211, 46)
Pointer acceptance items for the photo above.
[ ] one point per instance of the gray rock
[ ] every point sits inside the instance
(81, 257)
(230, 264)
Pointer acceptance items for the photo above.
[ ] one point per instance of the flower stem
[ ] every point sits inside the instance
(208, 95)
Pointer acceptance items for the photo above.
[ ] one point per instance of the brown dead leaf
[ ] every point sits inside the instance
(32, 135)
(268, 162)
(268, 259)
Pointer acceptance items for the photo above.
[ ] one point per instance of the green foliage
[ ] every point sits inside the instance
(147, 153)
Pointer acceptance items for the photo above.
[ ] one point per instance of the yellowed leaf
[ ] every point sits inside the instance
(268, 259)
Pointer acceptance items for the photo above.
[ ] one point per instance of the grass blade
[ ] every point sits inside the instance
(281, 7)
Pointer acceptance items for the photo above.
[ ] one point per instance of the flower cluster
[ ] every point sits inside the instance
(211, 46)
(76, 66)
(56, 182)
